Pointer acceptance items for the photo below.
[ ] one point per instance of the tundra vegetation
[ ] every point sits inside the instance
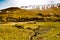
(21, 24)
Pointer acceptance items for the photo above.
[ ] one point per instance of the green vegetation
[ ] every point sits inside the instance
(30, 31)
(21, 24)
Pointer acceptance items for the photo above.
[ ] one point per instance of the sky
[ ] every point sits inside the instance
(17, 3)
